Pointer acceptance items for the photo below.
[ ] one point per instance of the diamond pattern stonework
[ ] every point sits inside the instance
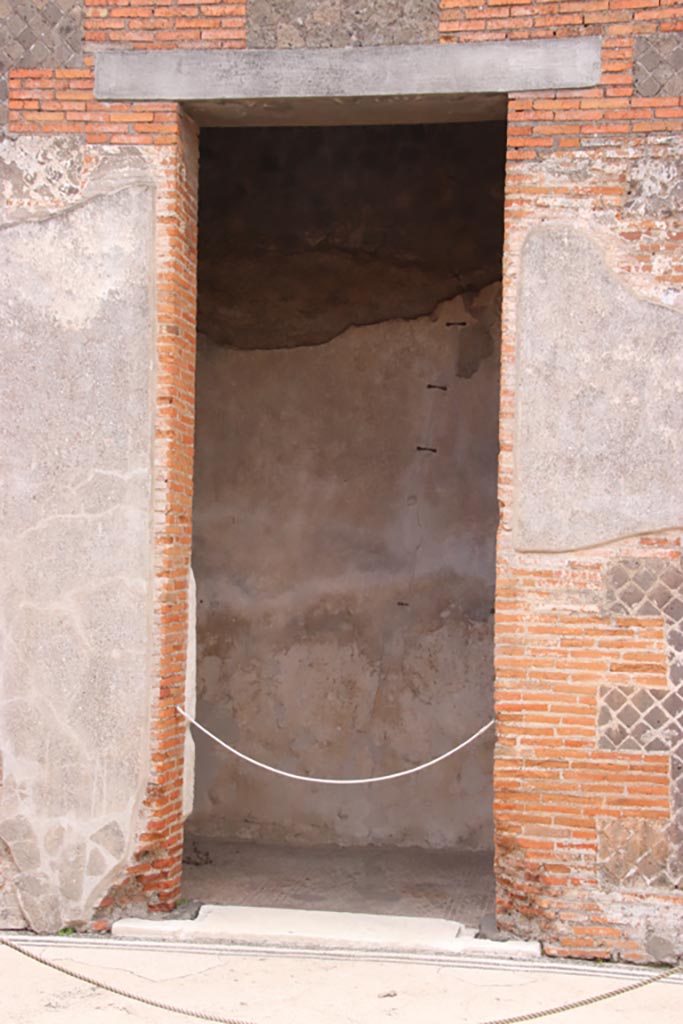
(635, 853)
(39, 34)
(659, 64)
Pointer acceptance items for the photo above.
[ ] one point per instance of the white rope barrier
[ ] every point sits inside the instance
(337, 782)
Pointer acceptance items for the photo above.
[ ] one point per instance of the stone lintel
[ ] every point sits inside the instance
(375, 84)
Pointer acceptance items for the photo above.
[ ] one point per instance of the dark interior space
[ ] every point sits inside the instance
(345, 511)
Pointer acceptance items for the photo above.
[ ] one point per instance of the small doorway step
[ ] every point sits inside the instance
(391, 900)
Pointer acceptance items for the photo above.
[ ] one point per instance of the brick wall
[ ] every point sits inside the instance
(38, 35)
(158, 861)
(148, 24)
(474, 21)
(585, 806)
(60, 101)
(589, 848)
(50, 34)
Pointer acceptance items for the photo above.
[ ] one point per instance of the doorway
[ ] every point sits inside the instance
(345, 514)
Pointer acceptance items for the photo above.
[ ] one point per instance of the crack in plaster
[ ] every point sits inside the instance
(77, 579)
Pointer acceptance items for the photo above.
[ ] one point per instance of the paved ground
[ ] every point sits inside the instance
(372, 880)
(277, 988)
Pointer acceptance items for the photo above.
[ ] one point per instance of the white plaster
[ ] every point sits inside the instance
(76, 311)
(599, 400)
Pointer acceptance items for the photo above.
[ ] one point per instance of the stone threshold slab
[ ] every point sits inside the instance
(375, 84)
(316, 929)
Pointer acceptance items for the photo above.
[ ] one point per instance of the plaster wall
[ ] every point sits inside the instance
(77, 251)
(345, 487)
(598, 399)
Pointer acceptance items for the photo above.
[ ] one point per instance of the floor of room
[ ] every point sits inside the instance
(412, 882)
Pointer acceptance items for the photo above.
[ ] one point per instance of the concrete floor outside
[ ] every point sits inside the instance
(267, 987)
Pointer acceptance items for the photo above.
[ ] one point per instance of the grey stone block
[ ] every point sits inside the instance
(334, 85)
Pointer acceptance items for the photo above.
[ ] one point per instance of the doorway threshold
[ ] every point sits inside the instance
(275, 927)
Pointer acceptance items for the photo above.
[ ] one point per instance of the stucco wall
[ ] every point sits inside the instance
(345, 485)
(599, 417)
(77, 321)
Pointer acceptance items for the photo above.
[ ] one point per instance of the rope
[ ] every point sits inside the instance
(169, 1007)
(215, 1019)
(337, 782)
(588, 1001)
